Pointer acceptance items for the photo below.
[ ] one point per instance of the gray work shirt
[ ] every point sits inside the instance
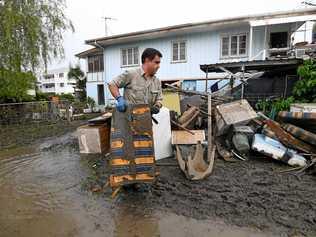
(137, 88)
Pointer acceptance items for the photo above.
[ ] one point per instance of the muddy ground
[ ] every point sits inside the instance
(68, 190)
(253, 193)
(25, 133)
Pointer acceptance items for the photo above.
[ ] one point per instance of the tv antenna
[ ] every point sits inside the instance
(309, 3)
(106, 19)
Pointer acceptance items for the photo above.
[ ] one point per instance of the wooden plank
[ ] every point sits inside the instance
(211, 147)
(185, 138)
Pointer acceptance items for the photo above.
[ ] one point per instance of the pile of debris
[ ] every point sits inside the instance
(239, 133)
(207, 124)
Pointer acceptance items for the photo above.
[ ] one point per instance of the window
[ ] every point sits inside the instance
(279, 40)
(129, 57)
(61, 75)
(242, 44)
(51, 85)
(61, 84)
(49, 76)
(234, 45)
(179, 51)
(96, 63)
(225, 46)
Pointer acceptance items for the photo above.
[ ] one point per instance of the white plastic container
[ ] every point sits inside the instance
(162, 134)
(276, 150)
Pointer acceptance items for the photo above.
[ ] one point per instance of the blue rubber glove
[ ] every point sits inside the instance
(121, 104)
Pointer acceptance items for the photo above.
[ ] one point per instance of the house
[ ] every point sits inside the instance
(185, 47)
(56, 81)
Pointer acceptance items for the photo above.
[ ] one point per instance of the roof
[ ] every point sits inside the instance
(89, 52)
(262, 65)
(199, 27)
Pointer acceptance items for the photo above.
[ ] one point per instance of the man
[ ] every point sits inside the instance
(141, 86)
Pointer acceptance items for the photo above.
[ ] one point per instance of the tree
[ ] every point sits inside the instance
(31, 33)
(15, 85)
(305, 89)
(77, 74)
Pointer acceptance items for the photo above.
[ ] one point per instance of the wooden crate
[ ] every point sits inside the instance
(94, 139)
(237, 113)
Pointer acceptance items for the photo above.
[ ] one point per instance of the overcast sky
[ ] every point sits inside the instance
(145, 14)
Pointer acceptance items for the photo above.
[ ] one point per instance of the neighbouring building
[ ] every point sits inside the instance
(56, 81)
(185, 47)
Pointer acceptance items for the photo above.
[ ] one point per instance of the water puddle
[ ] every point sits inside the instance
(41, 195)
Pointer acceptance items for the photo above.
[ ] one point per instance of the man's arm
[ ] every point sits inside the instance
(115, 92)
(118, 82)
(158, 102)
(159, 96)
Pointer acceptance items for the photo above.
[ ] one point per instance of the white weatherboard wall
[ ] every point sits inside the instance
(202, 48)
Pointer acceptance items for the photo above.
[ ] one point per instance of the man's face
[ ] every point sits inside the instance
(152, 65)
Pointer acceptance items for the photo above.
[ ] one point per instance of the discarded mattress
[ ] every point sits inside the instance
(276, 150)
(300, 133)
(132, 157)
(306, 120)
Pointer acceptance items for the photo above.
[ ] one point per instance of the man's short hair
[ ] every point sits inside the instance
(150, 53)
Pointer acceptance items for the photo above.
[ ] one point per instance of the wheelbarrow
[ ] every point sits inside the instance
(190, 151)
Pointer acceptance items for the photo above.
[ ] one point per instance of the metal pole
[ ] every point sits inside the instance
(210, 146)
(250, 44)
(265, 43)
(243, 82)
(206, 81)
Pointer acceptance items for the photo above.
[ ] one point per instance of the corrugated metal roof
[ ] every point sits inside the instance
(159, 32)
(250, 65)
(89, 52)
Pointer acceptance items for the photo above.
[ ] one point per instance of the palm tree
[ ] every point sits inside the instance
(81, 79)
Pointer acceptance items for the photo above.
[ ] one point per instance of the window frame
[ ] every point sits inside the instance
(230, 36)
(92, 60)
(133, 56)
(179, 51)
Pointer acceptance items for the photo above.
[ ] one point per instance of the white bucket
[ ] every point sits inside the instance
(162, 134)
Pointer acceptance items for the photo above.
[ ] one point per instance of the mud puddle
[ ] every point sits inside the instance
(43, 192)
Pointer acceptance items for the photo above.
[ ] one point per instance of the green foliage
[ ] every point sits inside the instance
(40, 96)
(68, 97)
(305, 89)
(14, 86)
(79, 106)
(77, 74)
(31, 33)
(273, 106)
(90, 102)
